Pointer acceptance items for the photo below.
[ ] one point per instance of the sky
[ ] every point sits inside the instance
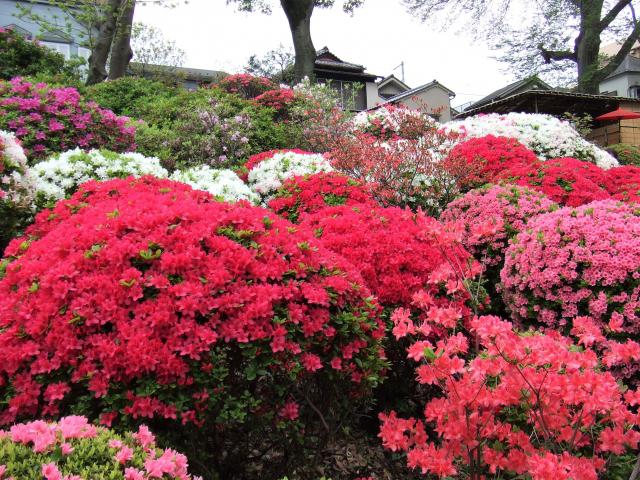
(379, 35)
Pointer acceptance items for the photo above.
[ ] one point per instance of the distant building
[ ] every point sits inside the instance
(68, 39)
(624, 81)
(359, 90)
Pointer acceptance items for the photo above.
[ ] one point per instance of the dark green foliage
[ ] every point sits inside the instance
(22, 57)
(626, 154)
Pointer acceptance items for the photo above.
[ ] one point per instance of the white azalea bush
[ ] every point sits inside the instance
(17, 188)
(61, 175)
(223, 184)
(269, 175)
(548, 136)
(390, 121)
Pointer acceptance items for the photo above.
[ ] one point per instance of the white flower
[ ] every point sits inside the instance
(17, 187)
(269, 175)
(547, 136)
(61, 175)
(223, 184)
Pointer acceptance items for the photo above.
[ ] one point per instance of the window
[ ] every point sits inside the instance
(63, 48)
(84, 53)
(352, 95)
(634, 91)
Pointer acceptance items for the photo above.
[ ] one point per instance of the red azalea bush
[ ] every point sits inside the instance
(280, 100)
(577, 262)
(312, 193)
(48, 120)
(567, 181)
(623, 183)
(527, 405)
(404, 172)
(490, 216)
(486, 157)
(396, 251)
(73, 449)
(245, 85)
(140, 298)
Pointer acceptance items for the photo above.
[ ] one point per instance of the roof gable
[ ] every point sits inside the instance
(420, 89)
(529, 83)
(392, 79)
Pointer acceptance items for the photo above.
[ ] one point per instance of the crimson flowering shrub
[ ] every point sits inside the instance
(49, 120)
(141, 298)
(312, 193)
(73, 449)
(488, 218)
(486, 157)
(404, 172)
(567, 181)
(245, 85)
(280, 100)
(577, 262)
(623, 183)
(527, 405)
(395, 250)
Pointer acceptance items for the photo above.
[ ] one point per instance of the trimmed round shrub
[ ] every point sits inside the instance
(73, 449)
(577, 262)
(625, 153)
(130, 96)
(567, 181)
(623, 183)
(490, 217)
(246, 85)
(312, 193)
(267, 176)
(484, 158)
(17, 188)
(394, 249)
(141, 298)
(61, 175)
(51, 120)
(224, 185)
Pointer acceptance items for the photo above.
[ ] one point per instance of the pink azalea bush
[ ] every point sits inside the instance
(73, 449)
(48, 120)
(577, 262)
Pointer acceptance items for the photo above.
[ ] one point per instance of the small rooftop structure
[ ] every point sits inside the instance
(525, 84)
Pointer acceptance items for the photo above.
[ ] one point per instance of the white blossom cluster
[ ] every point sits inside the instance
(17, 188)
(547, 136)
(61, 175)
(391, 119)
(224, 184)
(269, 175)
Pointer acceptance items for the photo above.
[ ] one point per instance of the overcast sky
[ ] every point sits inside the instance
(379, 36)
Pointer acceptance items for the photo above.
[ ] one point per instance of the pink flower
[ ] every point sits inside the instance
(144, 436)
(290, 411)
(311, 362)
(50, 472)
(124, 455)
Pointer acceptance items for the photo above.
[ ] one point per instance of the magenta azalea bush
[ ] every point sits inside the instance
(73, 449)
(577, 262)
(50, 120)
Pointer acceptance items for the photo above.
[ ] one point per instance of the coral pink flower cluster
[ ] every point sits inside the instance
(312, 193)
(525, 404)
(48, 120)
(577, 262)
(145, 285)
(280, 100)
(71, 434)
(246, 85)
(492, 215)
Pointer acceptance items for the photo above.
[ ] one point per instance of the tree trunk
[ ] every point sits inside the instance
(587, 47)
(298, 13)
(121, 52)
(100, 51)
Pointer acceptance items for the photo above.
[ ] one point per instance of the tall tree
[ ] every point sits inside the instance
(121, 51)
(276, 64)
(546, 36)
(102, 46)
(298, 14)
